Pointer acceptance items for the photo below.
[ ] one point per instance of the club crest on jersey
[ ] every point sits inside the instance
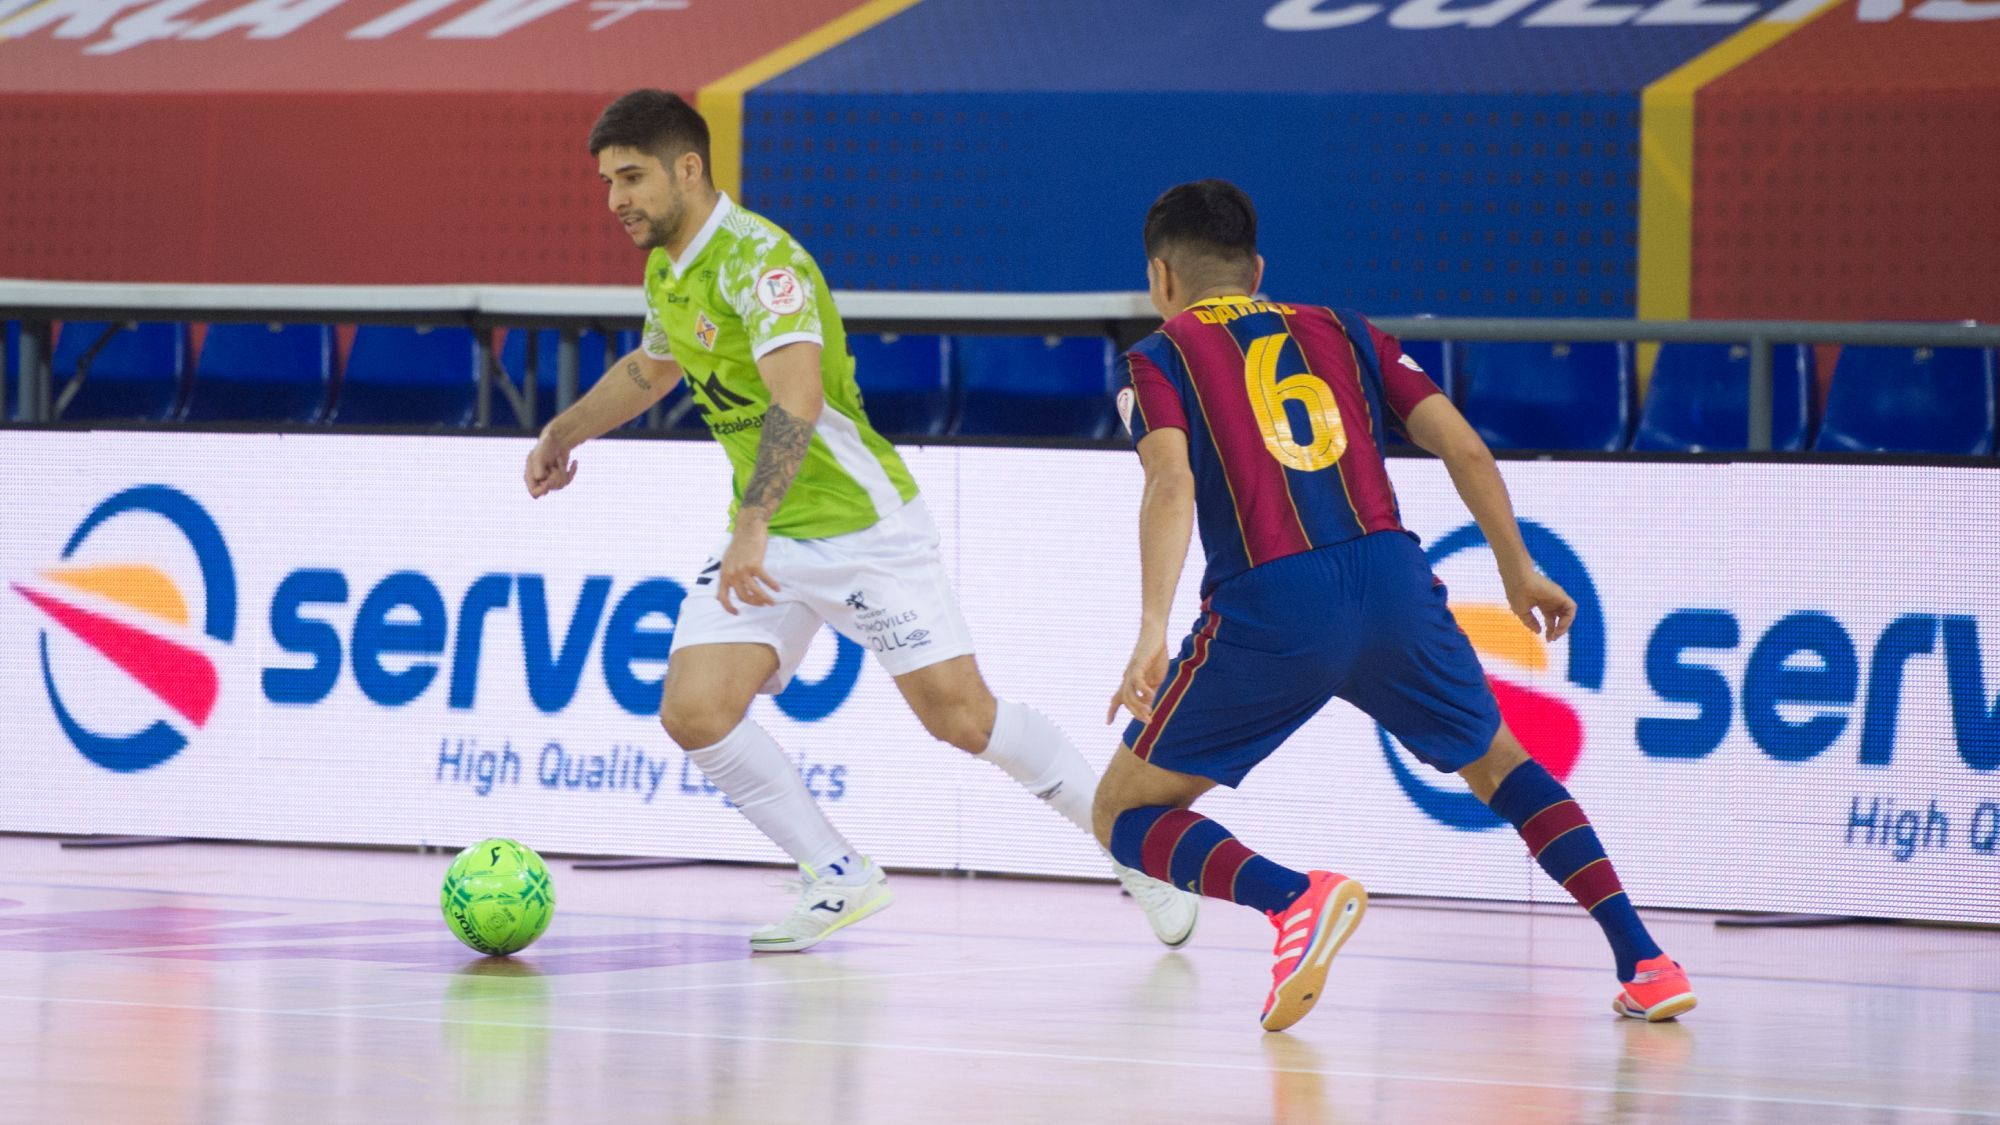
(780, 291)
(705, 330)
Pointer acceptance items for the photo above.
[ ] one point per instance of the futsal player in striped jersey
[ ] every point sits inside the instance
(1265, 420)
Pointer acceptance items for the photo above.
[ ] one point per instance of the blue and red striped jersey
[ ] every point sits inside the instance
(1284, 417)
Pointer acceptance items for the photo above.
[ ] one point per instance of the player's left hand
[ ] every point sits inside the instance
(1141, 684)
(743, 571)
(1539, 592)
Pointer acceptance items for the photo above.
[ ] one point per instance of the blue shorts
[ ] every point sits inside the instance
(1364, 621)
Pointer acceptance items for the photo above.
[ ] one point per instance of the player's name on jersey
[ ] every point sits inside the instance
(1223, 314)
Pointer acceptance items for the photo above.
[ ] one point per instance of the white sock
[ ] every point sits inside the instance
(848, 868)
(752, 770)
(1035, 752)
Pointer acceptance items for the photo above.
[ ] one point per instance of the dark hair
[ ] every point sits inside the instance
(1212, 218)
(652, 121)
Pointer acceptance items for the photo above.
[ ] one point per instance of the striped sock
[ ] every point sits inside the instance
(1194, 853)
(1561, 839)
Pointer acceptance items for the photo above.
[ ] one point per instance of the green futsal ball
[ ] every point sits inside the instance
(497, 897)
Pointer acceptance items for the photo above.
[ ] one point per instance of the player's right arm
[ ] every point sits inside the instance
(1437, 427)
(628, 390)
(1166, 526)
(1157, 420)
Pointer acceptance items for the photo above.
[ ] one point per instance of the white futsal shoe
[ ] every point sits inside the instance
(824, 906)
(1172, 913)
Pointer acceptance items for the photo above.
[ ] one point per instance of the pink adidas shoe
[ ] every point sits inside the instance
(1660, 991)
(1310, 932)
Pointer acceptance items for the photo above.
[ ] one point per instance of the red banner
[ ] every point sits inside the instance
(338, 141)
(1850, 172)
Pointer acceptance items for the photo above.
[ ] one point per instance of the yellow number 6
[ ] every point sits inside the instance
(1268, 395)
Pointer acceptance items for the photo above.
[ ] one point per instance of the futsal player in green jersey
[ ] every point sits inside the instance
(826, 524)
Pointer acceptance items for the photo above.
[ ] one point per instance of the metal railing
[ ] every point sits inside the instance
(1125, 317)
(569, 309)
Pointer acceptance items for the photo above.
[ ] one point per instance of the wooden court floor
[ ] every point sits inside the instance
(217, 983)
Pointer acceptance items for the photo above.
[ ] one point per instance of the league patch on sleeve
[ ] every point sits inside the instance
(1126, 397)
(780, 291)
(1412, 364)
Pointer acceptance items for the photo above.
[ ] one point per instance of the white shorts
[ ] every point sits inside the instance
(883, 587)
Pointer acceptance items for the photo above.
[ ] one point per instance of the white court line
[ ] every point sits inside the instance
(1041, 1056)
(1040, 967)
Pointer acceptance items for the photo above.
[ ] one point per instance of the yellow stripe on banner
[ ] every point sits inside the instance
(721, 101)
(1495, 631)
(1666, 166)
(139, 587)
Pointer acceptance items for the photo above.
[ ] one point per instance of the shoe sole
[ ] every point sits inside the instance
(1169, 942)
(1186, 937)
(1302, 989)
(797, 946)
(1660, 1012)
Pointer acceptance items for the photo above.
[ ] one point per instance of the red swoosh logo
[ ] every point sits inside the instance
(1547, 727)
(181, 677)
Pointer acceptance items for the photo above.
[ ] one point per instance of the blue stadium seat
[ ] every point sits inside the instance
(13, 373)
(410, 377)
(1547, 396)
(905, 382)
(1910, 400)
(1699, 398)
(262, 373)
(136, 376)
(590, 365)
(1031, 386)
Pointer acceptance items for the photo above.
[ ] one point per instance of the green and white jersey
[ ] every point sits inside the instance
(743, 289)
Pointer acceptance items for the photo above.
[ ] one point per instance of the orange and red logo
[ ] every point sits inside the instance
(98, 601)
(1518, 666)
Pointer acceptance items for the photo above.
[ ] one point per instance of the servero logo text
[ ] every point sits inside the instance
(405, 636)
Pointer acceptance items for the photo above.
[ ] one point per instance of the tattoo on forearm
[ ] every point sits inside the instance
(780, 451)
(633, 373)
